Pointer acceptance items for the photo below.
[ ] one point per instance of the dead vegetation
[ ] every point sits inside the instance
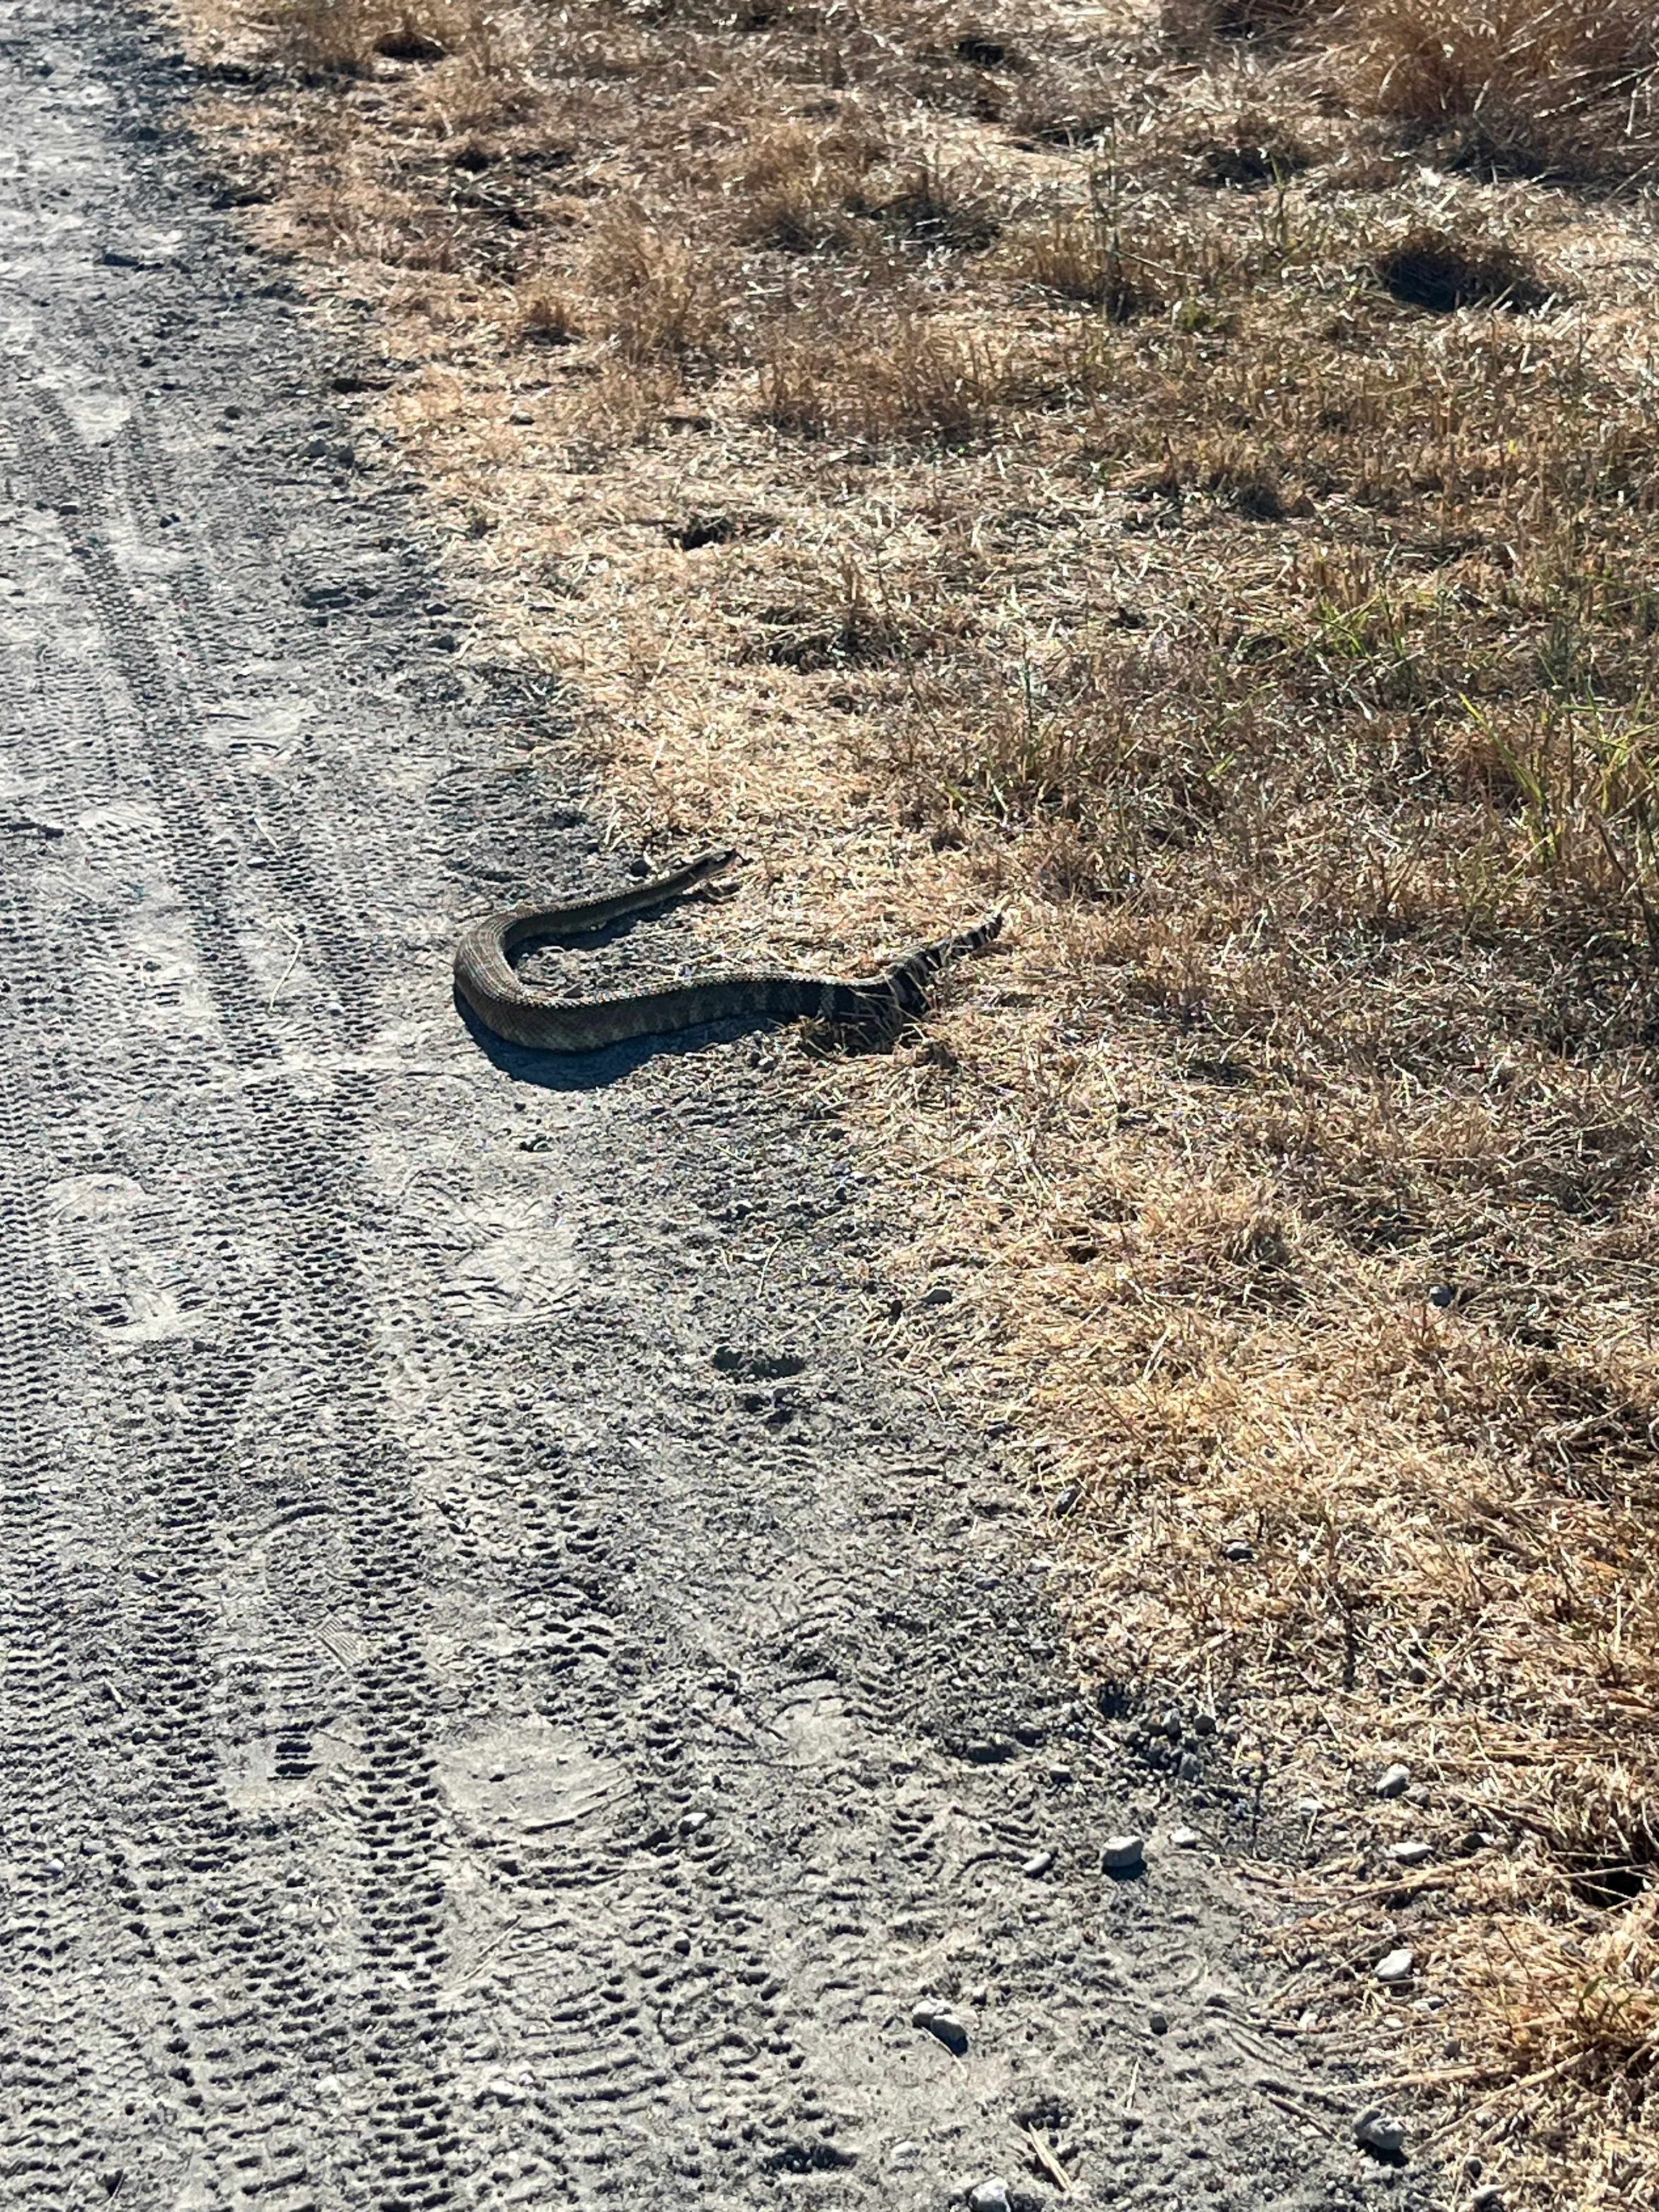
(1561, 88)
(1193, 483)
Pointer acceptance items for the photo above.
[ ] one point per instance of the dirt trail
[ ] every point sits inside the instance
(504, 1703)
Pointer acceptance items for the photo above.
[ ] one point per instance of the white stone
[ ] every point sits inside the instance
(1119, 1853)
(990, 2196)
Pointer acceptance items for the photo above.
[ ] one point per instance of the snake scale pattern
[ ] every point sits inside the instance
(486, 982)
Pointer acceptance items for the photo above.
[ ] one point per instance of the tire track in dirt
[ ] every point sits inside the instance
(288, 1200)
(293, 1201)
(42, 2152)
(182, 1872)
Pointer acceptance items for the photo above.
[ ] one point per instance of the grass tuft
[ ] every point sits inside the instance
(1081, 258)
(547, 315)
(918, 384)
(1563, 89)
(665, 302)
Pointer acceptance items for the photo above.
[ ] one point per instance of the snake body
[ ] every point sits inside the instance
(485, 981)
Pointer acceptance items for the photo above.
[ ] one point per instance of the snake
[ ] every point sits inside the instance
(524, 1014)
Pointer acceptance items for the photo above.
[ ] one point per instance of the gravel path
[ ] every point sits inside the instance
(505, 1702)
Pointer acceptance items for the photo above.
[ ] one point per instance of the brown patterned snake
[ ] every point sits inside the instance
(485, 981)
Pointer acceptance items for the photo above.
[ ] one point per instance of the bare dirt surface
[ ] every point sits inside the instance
(505, 1701)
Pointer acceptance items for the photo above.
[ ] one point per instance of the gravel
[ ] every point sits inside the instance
(1394, 1781)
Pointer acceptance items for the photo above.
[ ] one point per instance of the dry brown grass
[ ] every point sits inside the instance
(916, 383)
(1082, 258)
(957, 461)
(1560, 88)
(1522, 88)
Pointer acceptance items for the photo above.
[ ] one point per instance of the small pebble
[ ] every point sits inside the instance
(1489, 2199)
(1158, 2022)
(1412, 1853)
(1118, 1853)
(1039, 1862)
(1441, 1295)
(1397, 1967)
(1185, 1839)
(1394, 1781)
(1238, 1550)
(990, 2196)
(1172, 1723)
(694, 1823)
(1378, 2131)
(904, 2153)
(1310, 1808)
